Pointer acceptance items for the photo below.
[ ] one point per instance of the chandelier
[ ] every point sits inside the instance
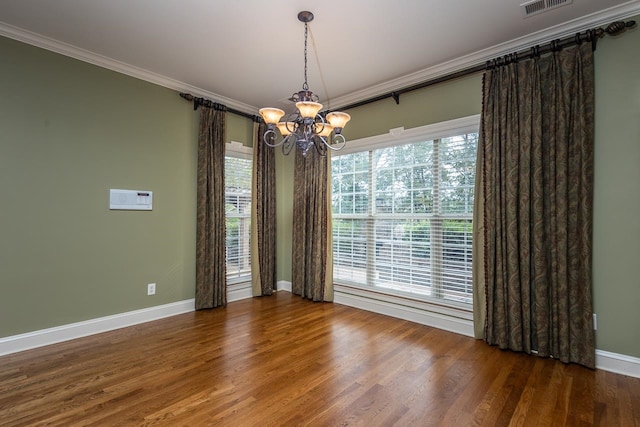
(305, 127)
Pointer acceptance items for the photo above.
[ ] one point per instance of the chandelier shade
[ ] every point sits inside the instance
(271, 115)
(308, 110)
(284, 127)
(323, 129)
(338, 119)
(305, 127)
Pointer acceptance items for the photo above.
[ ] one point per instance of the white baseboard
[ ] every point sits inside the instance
(605, 360)
(406, 312)
(618, 363)
(239, 291)
(451, 320)
(284, 285)
(29, 340)
(242, 291)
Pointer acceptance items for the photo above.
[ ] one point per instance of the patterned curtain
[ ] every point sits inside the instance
(312, 258)
(263, 217)
(211, 269)
(538, 133)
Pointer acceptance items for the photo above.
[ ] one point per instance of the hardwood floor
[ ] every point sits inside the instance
(284, 361)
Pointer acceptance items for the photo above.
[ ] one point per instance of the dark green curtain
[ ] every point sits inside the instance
(312, 260)
(211, 270)
(263, 217)
(537, 134)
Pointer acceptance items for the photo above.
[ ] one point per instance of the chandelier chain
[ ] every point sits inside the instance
(305, 86)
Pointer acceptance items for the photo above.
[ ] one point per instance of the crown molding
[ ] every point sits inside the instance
(569, 28)
(622, 11)
(75, 52)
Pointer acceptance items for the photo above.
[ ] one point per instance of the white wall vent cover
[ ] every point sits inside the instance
(132, 200)
(535, 7)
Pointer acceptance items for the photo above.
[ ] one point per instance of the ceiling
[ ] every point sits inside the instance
(249, 53)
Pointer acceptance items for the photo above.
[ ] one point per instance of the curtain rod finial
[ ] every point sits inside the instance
(618, 27)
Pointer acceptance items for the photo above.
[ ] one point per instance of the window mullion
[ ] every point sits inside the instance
(370, 225)
(436, 227)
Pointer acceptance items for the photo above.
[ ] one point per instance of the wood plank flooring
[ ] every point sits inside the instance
(284, 361)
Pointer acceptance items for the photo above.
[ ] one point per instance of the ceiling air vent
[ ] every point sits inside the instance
(538, 6)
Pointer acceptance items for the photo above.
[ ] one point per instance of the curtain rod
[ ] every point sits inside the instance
(591, 35)
(211, 104)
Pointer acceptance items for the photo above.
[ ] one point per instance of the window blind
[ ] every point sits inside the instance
(238, 217)
(402, 218)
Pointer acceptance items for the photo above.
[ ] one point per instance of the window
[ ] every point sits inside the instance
(402, 216)
(237, 171)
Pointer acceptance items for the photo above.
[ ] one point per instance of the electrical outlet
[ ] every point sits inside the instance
(151, 289)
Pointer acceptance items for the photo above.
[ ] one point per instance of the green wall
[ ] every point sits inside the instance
(239, 129)
(451, 100)
(284, 214)
(69, 132)
(616, 230)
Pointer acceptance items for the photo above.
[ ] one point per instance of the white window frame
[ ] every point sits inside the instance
(447, 315)
(240, 151)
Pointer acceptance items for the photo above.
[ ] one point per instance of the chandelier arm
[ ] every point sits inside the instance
(337, 140)
(321, 148)
(271, 134)
(288, 143)
(290, 124)
(323, 139)
(321, 120)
